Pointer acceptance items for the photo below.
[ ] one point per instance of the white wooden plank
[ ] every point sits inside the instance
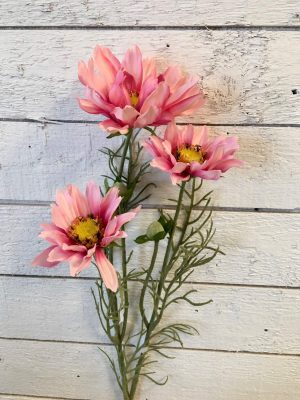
(20, 397)
(37, 159)
(245, 76)
(239, 319)
(261, 249)
(80, 372)
(159, 13)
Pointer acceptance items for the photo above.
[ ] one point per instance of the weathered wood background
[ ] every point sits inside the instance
(248, 56)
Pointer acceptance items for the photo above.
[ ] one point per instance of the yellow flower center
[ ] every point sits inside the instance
(85, 231)
(188, 154)
(134, 98)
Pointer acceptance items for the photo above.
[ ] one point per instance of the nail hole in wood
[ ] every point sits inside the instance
(295, 91)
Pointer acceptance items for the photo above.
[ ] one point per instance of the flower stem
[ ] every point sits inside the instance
(146, 281)
(156, 317)
(124, 154)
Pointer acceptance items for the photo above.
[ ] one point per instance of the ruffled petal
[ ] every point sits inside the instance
(127, 115)
(112, 126)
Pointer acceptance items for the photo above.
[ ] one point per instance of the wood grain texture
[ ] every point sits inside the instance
(248, 347)
(244, 73)
(36, 159)
(261, 249)
(81, 372)
(239, 319)
(20, 397)
(158, 13)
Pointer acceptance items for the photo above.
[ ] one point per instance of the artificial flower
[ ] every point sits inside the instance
(82, 226)
(187, 151)
(132, 94)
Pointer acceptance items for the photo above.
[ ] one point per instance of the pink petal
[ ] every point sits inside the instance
(155, 146)
(55, 236)
(200, 136)
(171, 134)
(187, 134)
(182, 92)
(107, 271)
(109, 239)
(133, 65)
(88, 106)
(112, 126)
(179, 167)
(58, 217)
(157, 98)
(118, 221)
(127, 115)
(147, 118)
(105, 108)
(78, 262)
(117, 95)
(110, 58)
(177, 178)
(172, 75)
(186, 106)
(42, 259)
(149, 69)
(78, 248)
(59, 255)
(226, 164)
(84, 74)
(148, 86)
(93, 197)
(161, 163)
(106, 63)
(79, 201)
(210, 175)
(109, 205)
(65, 204)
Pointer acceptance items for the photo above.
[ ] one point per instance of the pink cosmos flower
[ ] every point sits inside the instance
(132, 94)
(187, 151)
(82, 226)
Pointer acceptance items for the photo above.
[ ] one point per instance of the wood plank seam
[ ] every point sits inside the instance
(151, 27)
(89, 278)
(38, 203)
(46, 121)
(211, 350)
(31, 396)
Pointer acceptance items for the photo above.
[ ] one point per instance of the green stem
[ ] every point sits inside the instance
(155, 320)
(124, 154)
(178, 209)
(125, 288)
(146, 281)
(165, 264)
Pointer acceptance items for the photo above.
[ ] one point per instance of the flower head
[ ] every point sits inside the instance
(187, 151)
(82, 226)
(132, 94)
